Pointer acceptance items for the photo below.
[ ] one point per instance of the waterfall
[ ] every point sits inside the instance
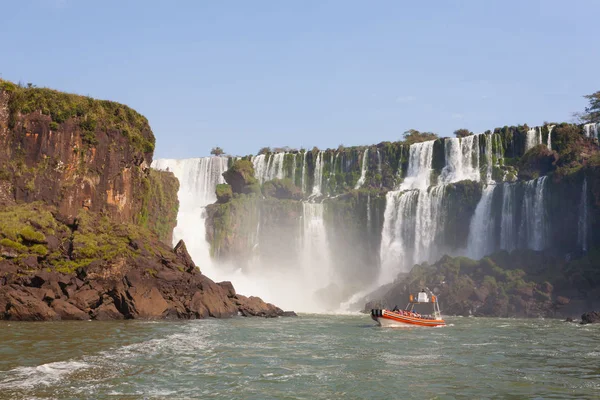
(533, 222)
(507, 225)
(318, 177)
(316, 257)
(582, 226)
(420, 158)
(278, 165)
(198, 179)
(304, 173)
(591, 130)
(481, 229)
(488, 158)
(378, 162)
(428, 222)
(533, 138)
(397, 235)
(294, 168)
(462, 159)
(550, 127)
(363, 170)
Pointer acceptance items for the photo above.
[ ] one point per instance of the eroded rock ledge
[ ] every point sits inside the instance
(144, 287)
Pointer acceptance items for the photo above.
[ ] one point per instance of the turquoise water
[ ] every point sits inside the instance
(310, 357)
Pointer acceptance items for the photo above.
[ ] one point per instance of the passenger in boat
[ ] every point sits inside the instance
(396, 309)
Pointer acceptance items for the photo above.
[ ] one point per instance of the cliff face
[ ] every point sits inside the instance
(75, 152)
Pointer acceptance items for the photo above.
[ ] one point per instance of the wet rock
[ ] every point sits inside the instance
(183, 255)
(289, 314)
(255, 307)
(592, 317)
(107, 312)
(67, 311)
(22, 306)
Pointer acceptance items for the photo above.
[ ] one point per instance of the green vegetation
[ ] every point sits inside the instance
(241, 177)
(592, 111)
(413, 136)
(90, 114)
(224, 193)
(217, 151)
(461, 133)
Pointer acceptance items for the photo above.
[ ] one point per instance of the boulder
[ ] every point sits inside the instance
(85, 299)
(254, 306)
(67, 311)
(23, 306)
(107, 312)
(183, 255)
(592, 317)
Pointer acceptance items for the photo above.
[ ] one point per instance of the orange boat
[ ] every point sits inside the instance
(409, 316)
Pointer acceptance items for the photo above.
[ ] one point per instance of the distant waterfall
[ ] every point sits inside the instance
(489, 159)
(397, 236)
(198, 179)
(591, 130)
(318, 178)
(533, 219)
(550, 127)
(462, 159)
(533, 138)
(428, 222)
(508, 233)
(304, 173)
(363, 170)
(316, 257)
(268, 167)
(481, 230)
(378, 162)
(420, 158)
(582, 231)
(294, 168)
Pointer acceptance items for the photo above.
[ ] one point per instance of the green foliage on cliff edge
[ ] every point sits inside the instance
(91, 114)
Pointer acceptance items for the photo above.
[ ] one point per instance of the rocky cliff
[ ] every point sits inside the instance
(85, 225)
(76, 152)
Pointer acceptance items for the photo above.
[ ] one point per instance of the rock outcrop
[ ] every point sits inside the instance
(592, 317)
(145, 280)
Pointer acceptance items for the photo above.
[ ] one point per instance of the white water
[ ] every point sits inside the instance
(582, 231)
(198, 179)
(419, 171)
(507, 226)
(591, 130)
(268, 167)
(550, 127)
(481, 229)
(304, 173)
(462, 159)
(489, 159)
(363, 170)
(533, 138)
(318, 177)
(533, 219)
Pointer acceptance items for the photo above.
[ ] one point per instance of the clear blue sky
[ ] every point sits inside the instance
(248, 74)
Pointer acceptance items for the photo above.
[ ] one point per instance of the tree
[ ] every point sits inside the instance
(414, 136)
(461, 133)
(592, 112)
(264, 150)
(217, 151)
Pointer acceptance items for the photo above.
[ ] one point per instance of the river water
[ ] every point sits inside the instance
(309, 357)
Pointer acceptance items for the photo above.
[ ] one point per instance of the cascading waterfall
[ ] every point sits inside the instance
(582, 231)
(488, 158)
(294, 168)
(508, 233)
(317, 260)
(481, 229)
(363, 170)
(198, 179)
(533, 138)
(591, 130)
(268, 167)
(428, 222)
(533, 228)
(550, 127)
(378, 162)
(462, 159)
(418, 175)
(304, 173)
(318, 178)
(397, 235)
